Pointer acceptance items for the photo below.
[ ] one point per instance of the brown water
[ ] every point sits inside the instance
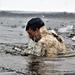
(12, 35)
(52, 66)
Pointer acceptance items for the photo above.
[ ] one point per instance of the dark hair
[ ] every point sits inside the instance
(34, 23)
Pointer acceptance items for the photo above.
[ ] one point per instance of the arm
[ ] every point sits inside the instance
(32, 49)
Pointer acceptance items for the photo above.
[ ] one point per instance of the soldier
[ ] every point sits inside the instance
(47, 43)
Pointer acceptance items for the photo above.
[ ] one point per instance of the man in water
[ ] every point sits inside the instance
(47, 43)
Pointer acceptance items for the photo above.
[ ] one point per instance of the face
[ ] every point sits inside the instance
(31, 33)
(34, 35)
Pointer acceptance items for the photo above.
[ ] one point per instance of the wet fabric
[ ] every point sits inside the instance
(50, 44)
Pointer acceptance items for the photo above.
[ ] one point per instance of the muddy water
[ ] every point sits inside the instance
(13, 39)
(33, 65)
(54, 66)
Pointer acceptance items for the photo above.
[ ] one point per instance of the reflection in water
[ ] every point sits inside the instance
(37, 66)
(34, 66)
(50, 66)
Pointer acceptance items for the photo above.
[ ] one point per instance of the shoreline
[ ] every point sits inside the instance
(38, 14)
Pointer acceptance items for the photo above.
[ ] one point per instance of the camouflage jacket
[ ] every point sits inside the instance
(50, 44)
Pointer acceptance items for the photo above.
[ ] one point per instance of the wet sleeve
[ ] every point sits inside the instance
(37, 49)
(34, 49)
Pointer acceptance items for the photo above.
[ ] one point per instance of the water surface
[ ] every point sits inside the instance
(13, 34)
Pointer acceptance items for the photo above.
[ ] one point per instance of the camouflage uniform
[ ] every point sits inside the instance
(50, 44)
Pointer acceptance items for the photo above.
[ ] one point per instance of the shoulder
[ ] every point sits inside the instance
(46, 39)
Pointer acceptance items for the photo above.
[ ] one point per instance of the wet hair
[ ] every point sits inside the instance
(34, 23)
